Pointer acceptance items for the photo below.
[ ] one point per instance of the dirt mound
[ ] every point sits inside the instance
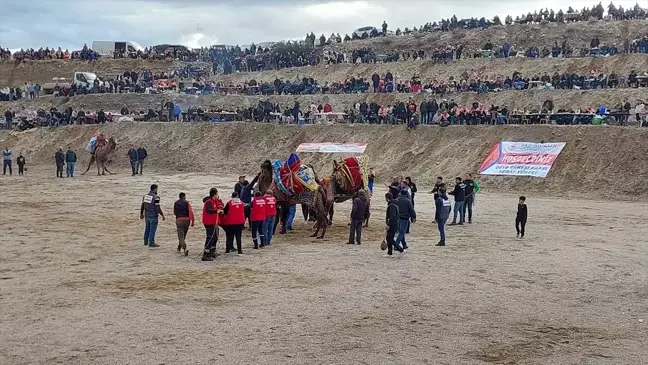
(530, 99)
(600, 161)
(519, 36)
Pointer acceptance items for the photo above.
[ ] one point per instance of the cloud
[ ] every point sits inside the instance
(72, 23)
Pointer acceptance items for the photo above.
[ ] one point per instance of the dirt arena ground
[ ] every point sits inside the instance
(78, 287)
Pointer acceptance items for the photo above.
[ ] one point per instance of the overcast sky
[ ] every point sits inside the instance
(71, 23)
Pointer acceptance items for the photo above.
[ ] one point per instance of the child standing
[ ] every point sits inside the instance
(521, 218)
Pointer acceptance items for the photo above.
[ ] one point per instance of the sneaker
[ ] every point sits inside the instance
(453, 224)
(349, 243)
(469, 222)
(461, 223)
(358, 243)
(145, 243)
(206, 258)
(153, 245)
(440, 243)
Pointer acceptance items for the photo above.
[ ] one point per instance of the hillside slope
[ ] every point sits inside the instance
(601, 161)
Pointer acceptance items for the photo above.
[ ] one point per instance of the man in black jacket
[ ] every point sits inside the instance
(59, 157)
(442, 205)
(132, 156)
(470, 196)
(141, 156)
(359, 213)
(70, 160)
(459, 193)
(406, 213)
(392, 220)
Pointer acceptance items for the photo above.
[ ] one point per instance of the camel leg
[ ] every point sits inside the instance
(324, 224)
(106, 169)
(330, 222)
(317, 226)
(92, 160)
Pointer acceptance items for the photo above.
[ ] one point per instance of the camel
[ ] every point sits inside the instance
(100, 155)
(319, 201)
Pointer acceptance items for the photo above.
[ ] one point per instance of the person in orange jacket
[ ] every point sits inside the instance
(269, 222)
(184, 217)
(212, 204)
(257, 218)
(233, 220)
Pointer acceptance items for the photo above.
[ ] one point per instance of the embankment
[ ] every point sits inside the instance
(597, 161)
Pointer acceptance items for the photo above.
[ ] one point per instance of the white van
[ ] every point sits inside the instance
(111, 47)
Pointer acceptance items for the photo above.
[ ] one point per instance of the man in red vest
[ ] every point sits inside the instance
(257, 217)
(268, 223)
(233, 221)
(212, 204)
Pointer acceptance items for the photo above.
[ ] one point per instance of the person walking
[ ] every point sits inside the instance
(184, 214)
(392, 219)
(442, 213)
(211, 206)
(406, 214)
(359, 212)
(269, 222)
(413, 189)
(459, 194)
(20, 161)
(370, 180)
(257, 217)
(150, 210)
(471, 189)
(521, 217)
(132, 157)
(142, 154)
(233, 221)
(6, 161)
(59, 157)
(70, 161)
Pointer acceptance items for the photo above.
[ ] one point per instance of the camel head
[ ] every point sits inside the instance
(265, 180)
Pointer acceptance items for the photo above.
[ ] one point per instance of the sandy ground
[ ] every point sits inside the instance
(78, 287)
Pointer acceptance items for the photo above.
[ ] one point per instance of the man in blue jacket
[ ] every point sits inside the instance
(442, 205)
(132, 156)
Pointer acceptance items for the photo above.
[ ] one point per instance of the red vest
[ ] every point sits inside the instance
(207, 218)
(235, 213)
(258, 209)
(271, 206)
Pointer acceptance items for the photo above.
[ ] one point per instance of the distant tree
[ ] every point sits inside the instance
(552, 16)
(508, 20)
(496, 20)
(560, 16)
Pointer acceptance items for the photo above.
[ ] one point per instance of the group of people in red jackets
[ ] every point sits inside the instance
(232, 216)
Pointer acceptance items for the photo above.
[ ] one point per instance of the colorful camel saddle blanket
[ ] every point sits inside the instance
(293, 178)
(93, 141)
(350, 175)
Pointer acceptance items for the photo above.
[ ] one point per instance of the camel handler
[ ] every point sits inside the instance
(184, 217)
(212, 204)
(232, 220)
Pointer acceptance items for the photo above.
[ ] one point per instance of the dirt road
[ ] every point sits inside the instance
(78, 287)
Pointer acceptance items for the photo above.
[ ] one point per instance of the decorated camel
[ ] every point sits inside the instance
(310, 193)
(101, 150)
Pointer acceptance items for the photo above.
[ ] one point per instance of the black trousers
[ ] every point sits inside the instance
(211, 238)
(468, 205)
(59, 170)
(391, 238)
(355, 231)
(21, 169)
(519, 226)
(233, 232)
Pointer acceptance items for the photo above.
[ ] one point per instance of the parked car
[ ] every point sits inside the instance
(360, 31)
